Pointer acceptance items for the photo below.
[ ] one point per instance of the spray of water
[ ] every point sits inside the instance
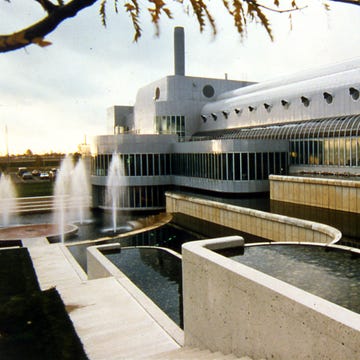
(72, 194)
(62, 193)
(115, 181)
(80, 192)
(7, 199)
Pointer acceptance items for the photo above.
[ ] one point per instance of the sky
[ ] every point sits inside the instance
(52, 98)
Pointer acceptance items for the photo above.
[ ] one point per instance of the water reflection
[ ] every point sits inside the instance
(169, 236)
(347, 223)
(331, 274)
(157, 273)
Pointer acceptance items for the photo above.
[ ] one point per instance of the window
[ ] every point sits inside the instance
(137, 165)
(208, 91)
(244, 166)
(267, 107)
(150, 164)
(328, 97)
(157, 94)
(230, 166)
(285, 104)
(252, 166)
(355, 94)
(259, 172)
(156, 164)
(305, 101)
(237, 163)
(144, 170)
(170, 124)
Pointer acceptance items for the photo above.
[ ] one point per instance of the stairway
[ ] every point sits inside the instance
(45, 203)
(188, 353)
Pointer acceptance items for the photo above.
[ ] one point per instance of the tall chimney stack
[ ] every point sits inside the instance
(179, 51)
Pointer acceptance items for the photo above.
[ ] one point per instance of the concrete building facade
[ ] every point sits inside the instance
(227, 136)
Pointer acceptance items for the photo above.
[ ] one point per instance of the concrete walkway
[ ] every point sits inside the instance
(109, 321)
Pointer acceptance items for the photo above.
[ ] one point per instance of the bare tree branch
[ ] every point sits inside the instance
(47, 5)
(36, 33)
(351, 2)
(277, 10)
(241, 12)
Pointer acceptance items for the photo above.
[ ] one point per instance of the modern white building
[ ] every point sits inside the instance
(226, 136)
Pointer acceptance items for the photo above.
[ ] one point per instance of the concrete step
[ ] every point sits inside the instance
(111, 324)
(189, 353)
(46, 203)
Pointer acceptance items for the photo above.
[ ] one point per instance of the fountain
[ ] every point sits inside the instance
(62, 193)
(7, 199)
(115, 180)
(80, 192)
(72, 194)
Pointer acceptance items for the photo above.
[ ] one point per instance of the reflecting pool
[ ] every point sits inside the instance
(169, 236)
(157, 273)
(328, 272)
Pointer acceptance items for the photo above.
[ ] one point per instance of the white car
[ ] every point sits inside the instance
(44, 176)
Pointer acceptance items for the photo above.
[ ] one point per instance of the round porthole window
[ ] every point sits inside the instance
(208, 91)
(355, 94)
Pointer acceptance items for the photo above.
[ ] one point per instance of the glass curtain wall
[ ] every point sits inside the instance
(230, 166)
(134, 164)
(134, 197)
(170, 124)
(328, 141)
(343, 151)
(333, 142)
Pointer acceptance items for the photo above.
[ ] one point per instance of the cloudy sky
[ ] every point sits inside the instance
(51, 98)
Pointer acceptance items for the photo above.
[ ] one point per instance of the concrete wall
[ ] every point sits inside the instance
(232, 308)
(178, 95)
(99, 267)
(270, 226)
(97, 264)
(342, 195)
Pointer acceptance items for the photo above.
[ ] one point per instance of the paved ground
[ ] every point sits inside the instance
(32, 231)
(109, 321)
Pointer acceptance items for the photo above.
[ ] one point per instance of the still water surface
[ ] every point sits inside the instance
(157, 273)
(329, 273)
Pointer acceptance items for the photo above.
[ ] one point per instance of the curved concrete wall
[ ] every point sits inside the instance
(270, 226)
(232, 308)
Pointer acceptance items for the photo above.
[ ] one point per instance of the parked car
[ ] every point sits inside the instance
(22, 170)
(44, 176)
(53, 173)
(27, 175)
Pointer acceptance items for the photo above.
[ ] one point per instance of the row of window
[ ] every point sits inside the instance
(225, 166)
(333, 151)
(134, 164)
(328, 97)
(134, 197)
(170, 124)
(236, 166)
(230, 166)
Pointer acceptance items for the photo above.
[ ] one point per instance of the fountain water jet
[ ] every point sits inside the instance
(72, 194)
(62, 193)
(7, 199)
(115, 180)
(80, 192)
